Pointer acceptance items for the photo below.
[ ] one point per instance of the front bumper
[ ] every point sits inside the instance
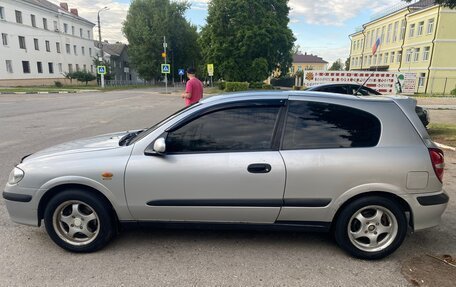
(22, 204)
(427, 208)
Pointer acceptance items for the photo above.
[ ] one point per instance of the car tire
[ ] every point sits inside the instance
(79, 221)
(371, 227)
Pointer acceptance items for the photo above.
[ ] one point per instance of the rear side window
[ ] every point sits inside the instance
(235, 129)
(338, 89)
(312, 125)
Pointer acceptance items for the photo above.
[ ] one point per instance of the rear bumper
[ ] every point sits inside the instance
(427, 209)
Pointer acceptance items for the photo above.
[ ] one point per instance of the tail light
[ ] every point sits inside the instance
(438, 162)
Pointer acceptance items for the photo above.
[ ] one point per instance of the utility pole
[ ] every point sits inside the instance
(165, 45)
(101, 44)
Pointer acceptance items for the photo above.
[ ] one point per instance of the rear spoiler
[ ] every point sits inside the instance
(407, 105)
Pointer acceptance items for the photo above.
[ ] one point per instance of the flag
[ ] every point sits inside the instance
(375, 47)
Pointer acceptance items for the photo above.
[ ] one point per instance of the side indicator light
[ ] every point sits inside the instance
(107, 175)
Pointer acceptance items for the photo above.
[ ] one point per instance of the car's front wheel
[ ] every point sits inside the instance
(371, 227)
(79, 221)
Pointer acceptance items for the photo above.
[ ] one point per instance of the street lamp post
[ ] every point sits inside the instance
(99, 32)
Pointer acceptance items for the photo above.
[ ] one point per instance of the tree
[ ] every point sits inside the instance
(148, 21)
(347, 64)
(296, 50)
(84, 76)
(337, 66)
(446, 3)
(109, 74)
(247, 40)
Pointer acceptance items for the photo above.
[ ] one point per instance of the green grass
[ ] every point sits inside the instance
(443, 133)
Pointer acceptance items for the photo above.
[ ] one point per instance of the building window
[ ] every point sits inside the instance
(80, 32)
(77, 67)
(430, 27)
(2, 13)
(382, 38)
(88, 34)
(72, 30)
(399, 56)
(396, 26)
(426, 53)
(392, 57)
(48, 46)
(412, 30)
(403, 25)
(5, 39)
(22, 42)
(9, 66)
(380, 57)
(26, 67)
(68, 48)
(421, 79)
(70, 68)
(369, 61)
(36, 43)
(39, 67)
(374, 60)
(51, 68)
(60, 68)
(420, 28)
(45, 24)
(65, 28)
(388, 34)
(90, 52)
(18, 17)
(83, 50)
(385, 61)
(33, 20)
(408, 56)
(417, 55)
(75, 50)
(57, 47)
(85, 67)
(368, 36)
(91, 68)
(56, 27)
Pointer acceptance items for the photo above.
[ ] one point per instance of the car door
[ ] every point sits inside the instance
(221, 165)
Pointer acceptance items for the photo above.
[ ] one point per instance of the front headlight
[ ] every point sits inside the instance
(15, 176)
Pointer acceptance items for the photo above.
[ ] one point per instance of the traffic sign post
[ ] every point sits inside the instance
(165, 67)
(181, 74)
(210, 71)
(101, 70)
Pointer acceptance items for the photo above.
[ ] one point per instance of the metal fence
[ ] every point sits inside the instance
(440, 86)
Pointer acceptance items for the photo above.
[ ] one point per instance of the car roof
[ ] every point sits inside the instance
(258, 95)
(334, 84)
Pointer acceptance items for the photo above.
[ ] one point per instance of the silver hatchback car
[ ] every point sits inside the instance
(362, 168)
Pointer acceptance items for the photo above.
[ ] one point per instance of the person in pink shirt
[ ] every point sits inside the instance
(194, 88)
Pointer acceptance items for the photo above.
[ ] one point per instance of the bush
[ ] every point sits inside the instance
(267, 87)
(221, 85)
(58, 84)
(453, 92)
(84, 76)
(256, 85)
(236, 86)
(287, 81)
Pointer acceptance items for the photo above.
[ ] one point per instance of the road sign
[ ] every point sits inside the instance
(101, 70)
(210, 69)
(163, 55)
(166, 68)
(181, 72)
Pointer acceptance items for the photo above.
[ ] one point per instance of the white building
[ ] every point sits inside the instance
(42, 41)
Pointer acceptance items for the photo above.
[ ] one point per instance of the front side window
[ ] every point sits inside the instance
(248, 128)
(312, 125)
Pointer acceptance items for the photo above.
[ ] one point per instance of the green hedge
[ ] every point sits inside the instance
(236, 86)
(256, 86)
(221, 85)
(453, 92)
(267, 87)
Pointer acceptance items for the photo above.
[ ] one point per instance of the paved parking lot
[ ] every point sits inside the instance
(174, 257)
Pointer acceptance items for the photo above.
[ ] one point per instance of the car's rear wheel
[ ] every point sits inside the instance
(79, 221)
(371, 227)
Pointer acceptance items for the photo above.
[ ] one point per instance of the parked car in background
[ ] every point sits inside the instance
(362, 168)
(355, 89)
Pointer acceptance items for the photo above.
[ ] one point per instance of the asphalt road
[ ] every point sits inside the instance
(151, 257)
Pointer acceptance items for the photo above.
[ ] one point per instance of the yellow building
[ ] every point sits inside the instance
(419, 38)
(306, 61)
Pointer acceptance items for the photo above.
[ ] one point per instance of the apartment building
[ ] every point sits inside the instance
(419, 38)
(42, 41)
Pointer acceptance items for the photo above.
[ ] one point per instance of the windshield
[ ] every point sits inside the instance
(159, 124)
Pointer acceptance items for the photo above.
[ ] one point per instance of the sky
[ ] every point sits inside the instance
(322, 27)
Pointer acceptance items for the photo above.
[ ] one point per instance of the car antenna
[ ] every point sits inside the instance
(359, 88)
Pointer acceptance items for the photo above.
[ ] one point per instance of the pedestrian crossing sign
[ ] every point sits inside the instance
(165, 68)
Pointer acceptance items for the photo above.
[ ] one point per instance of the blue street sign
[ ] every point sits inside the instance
(166, 68)
(101, 70)
(181, 72)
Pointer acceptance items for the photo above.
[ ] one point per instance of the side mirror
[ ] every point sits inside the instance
(159, 147)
